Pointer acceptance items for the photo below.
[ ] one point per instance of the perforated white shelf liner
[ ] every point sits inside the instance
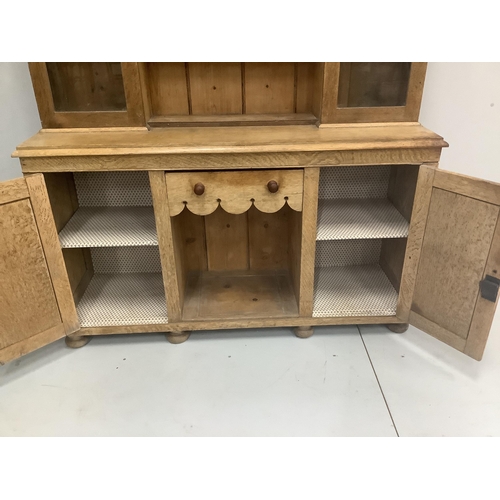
(123, 299)
(110, 227)
(347, 252)
(112, 260)
(353, 291)
(354, 182)
(358, 219)
(113, 189)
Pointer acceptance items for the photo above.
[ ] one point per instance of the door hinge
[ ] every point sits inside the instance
(489, 288)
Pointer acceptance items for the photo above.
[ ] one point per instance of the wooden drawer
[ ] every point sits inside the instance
(202, 192)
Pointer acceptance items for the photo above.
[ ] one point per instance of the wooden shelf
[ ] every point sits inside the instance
(232, 120)
(353, 291)
(123, 299)
(239, 294)
(359, 219)
(110, 227)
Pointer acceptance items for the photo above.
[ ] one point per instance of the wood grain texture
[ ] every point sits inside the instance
(62, 196)
(235, 192)
(168, 89)
(472, 187)
(48, 235)
(76, 265)
(171, 260)
(215, 88)
(484, 310)
(416, 233)
(227, 241)
(268, 239)
(437, 331)
(28, 302)
(233, 120)
(402, 186)
(43, 94)
(455, 249)
(308, 243)
(13, 190)
(242, 323)
(300, 138)
(392, 258)
(239, 294)
(306, 73)
(228, 161)
(295, 250)
(332, 113)
(192, 240)
(34, 342)
(269, 88)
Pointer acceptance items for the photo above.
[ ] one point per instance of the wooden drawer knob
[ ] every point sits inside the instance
(199, 188)
(273, 186)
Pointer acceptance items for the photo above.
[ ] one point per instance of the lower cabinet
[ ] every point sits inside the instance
(103, 252)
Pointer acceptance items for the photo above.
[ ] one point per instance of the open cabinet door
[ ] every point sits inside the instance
(456, 287)
(36, 304)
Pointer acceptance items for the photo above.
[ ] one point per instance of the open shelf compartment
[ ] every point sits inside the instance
(108, 235)
(238, 266)
(364, 202)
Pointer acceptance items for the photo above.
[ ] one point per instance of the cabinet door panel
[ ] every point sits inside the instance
(461, 246)
(36, 304)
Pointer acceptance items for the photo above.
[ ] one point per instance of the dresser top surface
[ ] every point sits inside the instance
(202, 140)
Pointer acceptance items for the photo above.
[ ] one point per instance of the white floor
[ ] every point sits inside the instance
(255, 383)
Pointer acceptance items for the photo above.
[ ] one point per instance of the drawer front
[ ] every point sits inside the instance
(235, 192)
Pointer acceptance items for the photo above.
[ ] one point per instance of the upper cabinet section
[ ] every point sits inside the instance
(94, 95)
(88, 95)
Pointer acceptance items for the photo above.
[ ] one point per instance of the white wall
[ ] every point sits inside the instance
(461, 102)
(18, 115)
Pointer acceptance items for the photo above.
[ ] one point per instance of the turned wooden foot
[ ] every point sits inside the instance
(177, 337)
(303, 332)
(76, 341)
(398, 327)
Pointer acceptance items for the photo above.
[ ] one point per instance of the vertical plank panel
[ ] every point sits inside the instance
(269, 87)
(168, 89)
(308, 243)
(402, 186)
(294, 251)
(194, 247)
(305, 86)
(215, 88)
(227, 241)
(268, 238)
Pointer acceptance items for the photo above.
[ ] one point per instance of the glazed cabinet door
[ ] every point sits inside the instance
(36, 304)
(458, 274)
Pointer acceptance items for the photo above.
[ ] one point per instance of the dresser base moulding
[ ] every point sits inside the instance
(189, 326)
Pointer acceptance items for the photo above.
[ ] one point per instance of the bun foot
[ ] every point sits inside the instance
(303, 332)
(398, 327)
(76, 341)
(177, 337)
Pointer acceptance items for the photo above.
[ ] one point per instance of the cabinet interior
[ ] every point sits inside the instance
(107, 232)
(363, 221)
(233, 266)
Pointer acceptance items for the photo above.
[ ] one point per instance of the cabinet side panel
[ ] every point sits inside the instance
(402, 187)
(308, 242)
